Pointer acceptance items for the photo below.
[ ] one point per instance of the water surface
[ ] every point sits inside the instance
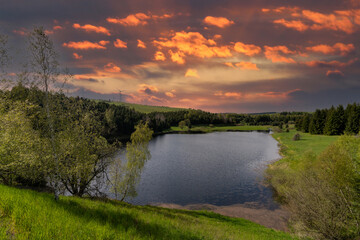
(220, 168)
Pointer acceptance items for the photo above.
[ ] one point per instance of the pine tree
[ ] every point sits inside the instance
(305, 123)
(353, 119)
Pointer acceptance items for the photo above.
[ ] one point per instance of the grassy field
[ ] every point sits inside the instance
(26, 214)
(147, 108)
(293, 151)
(215, 128)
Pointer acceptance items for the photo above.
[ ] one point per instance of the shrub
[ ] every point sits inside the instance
(296, 137)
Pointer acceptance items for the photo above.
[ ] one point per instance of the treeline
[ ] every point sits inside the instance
(333, 121)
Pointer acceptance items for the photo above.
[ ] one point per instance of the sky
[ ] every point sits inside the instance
(220, 56)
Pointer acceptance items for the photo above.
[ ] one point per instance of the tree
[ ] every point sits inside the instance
(182, 124)
(21, 151)
(125, 177)
(305, 123)
(353, 119)
(83, 155)
(46, 70)
(317, 122)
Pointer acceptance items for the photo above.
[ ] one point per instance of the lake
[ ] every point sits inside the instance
(220, 168)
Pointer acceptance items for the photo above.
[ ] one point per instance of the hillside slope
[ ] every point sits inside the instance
(26, 214)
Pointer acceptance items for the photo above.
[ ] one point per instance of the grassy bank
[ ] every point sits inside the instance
(26, 214)
(207, 128)
(293, 151)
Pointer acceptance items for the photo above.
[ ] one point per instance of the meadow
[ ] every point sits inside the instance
(27, 214)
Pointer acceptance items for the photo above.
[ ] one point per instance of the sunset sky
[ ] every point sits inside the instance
(219, 56)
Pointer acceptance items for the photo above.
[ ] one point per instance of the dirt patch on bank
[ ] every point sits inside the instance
(276, 218)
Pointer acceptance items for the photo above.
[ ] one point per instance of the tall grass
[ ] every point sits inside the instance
(26, 214)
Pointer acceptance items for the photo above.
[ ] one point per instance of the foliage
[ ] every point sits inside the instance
(83, 156)
(20, 145)
(322, 192)
(137, 153)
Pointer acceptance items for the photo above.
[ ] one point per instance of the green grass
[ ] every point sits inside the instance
(26, 214)
(147, 108)
(215, 128)
(293, 151)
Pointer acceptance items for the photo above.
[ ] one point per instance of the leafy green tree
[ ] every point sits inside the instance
(83, 155)
(126, 177)
(21, 154)
(182, 124)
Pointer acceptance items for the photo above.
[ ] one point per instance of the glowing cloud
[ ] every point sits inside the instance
(131, 20)
(111, 67)
(177, 57)
(341, 48)
(141, 44)
(85, 45)
(92, 28)
(120, 44)
(159, 56)
(191, 73)
(297, 25)
(247, 49)
(220, 22)
(77, 56)
(334, 73)
(247, 66)
(147, 89)
(192, 44)
(331, 64)
(329, 21)
(274, 54)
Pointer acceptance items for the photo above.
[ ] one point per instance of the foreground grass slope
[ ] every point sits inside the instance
(26, 214)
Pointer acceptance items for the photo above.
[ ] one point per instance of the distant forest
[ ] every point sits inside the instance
(117, 122)
(333, 121)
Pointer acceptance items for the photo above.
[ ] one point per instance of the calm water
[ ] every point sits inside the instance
(221, 168)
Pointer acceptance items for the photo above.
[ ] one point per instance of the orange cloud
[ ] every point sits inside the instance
(274, 54)
(21, 31)
(131, 20)
(92, 28)
(77, 56)
(85, 45)
(171, 94)
(297, 25)
(141, 44)
(247, 49)
(229, 64)
(120, 44)
(329, 21)
(341, 48)
(57, 27)
(111, 67)
(336, 72)
(220, 22)
(177, 57)
(331, 64)
(193, 44)
(164, 16)
(159, 56)
(191, 73)
(148, 89)
(247, 66)
(255, 96)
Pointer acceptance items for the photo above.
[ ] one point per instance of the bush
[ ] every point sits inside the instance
(323, 193)
(296, 137)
